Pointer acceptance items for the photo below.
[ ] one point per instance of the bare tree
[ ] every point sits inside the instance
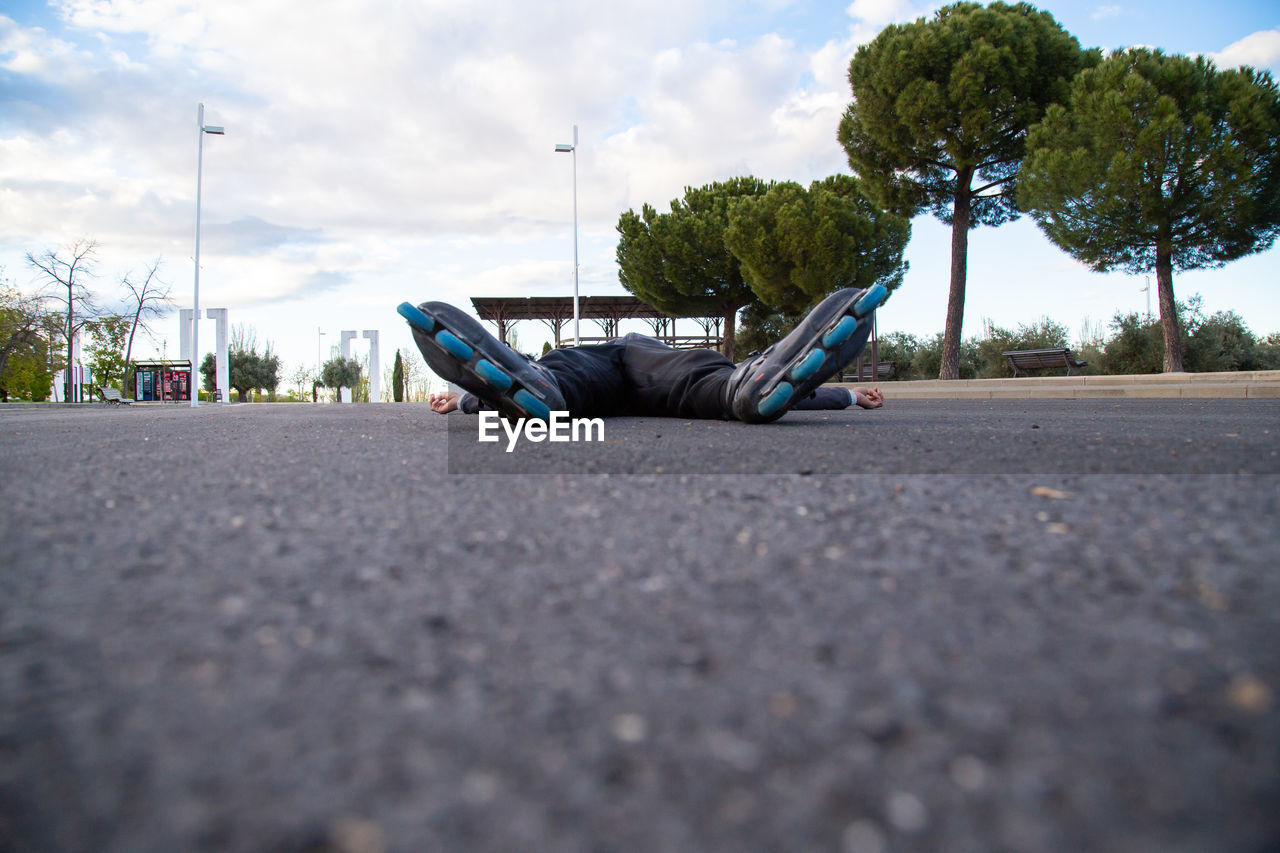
(62, 268)
(303, 376)
(150, 299)
(417, 377)
(244, 339)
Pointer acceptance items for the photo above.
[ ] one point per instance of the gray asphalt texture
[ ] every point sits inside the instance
(970, 626)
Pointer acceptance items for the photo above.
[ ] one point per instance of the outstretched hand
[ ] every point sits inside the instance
(868, 398)
(443, 404)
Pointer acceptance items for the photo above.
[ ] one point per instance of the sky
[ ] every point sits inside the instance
(378, 151)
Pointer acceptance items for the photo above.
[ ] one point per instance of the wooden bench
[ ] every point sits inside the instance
(863, 372)
(1023, 360)
(113, 397)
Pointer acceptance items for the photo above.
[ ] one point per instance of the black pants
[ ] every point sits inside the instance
(639, 375)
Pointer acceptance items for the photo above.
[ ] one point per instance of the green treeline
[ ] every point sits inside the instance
(1136, 160)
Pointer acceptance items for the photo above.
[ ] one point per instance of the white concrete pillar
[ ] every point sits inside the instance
(184, 339)
(221, 358)
(346, 338)
(375, 370)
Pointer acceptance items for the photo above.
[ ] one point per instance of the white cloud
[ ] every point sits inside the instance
(880, 13)
(1102, 13)
(376, 152)
(869, 17)
(414, 122)
(1259, 50)
(830, 63)
(35, 53)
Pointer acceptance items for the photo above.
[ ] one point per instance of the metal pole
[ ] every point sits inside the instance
(573, 149)
(875, 349)
(577, 341)
(195, 315)
(201, 130)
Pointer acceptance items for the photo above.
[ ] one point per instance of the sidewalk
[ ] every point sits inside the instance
(1242, 384)
(1252, 384)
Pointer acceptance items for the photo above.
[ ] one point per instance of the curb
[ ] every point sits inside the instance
(1247, 384)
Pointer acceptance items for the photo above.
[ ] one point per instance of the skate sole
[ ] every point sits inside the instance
(514, 397)
(777, 397)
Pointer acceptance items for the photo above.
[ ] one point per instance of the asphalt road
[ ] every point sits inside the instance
(971, 626)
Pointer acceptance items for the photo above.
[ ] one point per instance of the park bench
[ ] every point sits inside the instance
(863, 372)
(1023, 360)
(112, 396)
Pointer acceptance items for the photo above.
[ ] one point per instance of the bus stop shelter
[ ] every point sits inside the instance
(162, 381)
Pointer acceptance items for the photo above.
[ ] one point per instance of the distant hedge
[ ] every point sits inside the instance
(1216, 342)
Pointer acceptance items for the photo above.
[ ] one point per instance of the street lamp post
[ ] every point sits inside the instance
(319, 353)
(195, 316)
(573, 149)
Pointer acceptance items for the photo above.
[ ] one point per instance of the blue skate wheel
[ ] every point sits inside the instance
(453, 346)
(809, 365)
(777, 399)
(840, 332)
(415, 317)
(870, 300)
(533, 407)
(492, 375)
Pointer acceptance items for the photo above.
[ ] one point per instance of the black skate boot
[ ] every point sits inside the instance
(763, 387)
(462, 351)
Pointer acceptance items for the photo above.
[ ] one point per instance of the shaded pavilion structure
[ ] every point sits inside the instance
(607, 312)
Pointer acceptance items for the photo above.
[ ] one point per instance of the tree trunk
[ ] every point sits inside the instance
(70, 348)
(959, 271)
(730, 314)
(1168, 309)
(128, 350)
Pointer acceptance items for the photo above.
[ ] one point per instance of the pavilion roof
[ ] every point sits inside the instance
(507, 308)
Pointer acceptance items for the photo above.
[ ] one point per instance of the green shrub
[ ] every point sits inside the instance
(1091, 354)
(1220, 342)
(901, 349)
(1136, 347)
(1089, 347)
(992, 362)
(927, 362)
(1268, 352)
